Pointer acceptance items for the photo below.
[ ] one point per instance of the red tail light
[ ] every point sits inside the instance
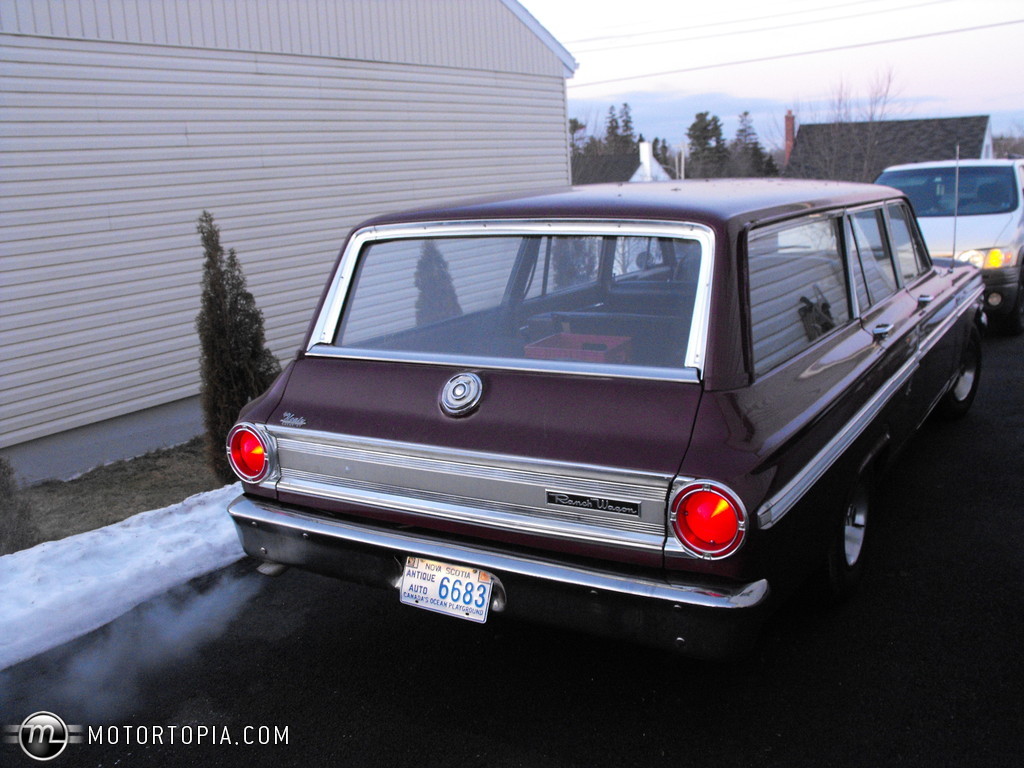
(249, 453)
(708, 520)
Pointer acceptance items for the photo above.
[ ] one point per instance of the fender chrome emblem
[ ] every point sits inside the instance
(291, 420)
(461, 395)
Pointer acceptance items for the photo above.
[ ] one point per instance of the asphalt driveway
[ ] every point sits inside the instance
(923, 668)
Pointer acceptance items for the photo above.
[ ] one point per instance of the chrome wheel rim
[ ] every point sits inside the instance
(854, 527)
(965, 383)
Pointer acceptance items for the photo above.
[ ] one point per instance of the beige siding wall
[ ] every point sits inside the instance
(109, 152)
(493, 35)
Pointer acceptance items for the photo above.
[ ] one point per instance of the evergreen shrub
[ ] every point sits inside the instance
(235, 364)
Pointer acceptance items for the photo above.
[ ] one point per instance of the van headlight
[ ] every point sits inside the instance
(989, 258)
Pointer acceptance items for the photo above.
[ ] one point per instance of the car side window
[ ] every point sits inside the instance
(797, 288)
(870, 242)
(565, 262)
(910, 252)
(639, 257)
(860, 285)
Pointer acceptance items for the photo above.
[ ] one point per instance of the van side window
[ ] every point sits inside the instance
(910, 252)
(797, 288)
(869, 239)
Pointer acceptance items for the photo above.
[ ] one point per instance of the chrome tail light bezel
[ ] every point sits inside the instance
(682, 490)
(270, 470)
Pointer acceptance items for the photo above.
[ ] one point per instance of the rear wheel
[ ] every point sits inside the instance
(957, 402)
(1013, 324)
(845, 563)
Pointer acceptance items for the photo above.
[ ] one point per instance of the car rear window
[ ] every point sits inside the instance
(983, 190)
(573, 299)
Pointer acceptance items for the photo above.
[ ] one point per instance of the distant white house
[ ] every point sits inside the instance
(289, 120)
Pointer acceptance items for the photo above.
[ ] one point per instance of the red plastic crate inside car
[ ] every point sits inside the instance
(581, 346)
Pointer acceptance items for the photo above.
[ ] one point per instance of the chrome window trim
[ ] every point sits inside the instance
(326, 325)
(779, 504)
(467, 362)
(880, 206)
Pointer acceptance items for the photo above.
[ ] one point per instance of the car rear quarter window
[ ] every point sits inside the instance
(797, 288)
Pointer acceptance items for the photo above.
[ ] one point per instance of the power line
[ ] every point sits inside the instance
(762, 29)
(776, 57)
(721, 23)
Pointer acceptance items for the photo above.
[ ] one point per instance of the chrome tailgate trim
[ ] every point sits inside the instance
(493, 491)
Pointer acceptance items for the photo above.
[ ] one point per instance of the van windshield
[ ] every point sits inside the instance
(983, 190)
(575, 299)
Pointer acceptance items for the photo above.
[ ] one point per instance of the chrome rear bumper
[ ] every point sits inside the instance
(697, 619)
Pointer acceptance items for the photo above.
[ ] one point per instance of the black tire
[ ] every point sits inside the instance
(1013, 324)
(844, 565)
(957, 402)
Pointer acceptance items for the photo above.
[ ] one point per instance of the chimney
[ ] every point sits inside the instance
(790, 134)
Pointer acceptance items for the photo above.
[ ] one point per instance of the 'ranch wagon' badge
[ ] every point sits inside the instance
(593, 502)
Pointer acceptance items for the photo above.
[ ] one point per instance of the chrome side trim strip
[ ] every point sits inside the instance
(936, 335)
(786, 498)
(247, 511)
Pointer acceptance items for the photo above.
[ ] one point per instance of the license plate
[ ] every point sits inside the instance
(455, 590)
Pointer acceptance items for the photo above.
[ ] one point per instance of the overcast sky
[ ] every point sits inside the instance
(670, 59)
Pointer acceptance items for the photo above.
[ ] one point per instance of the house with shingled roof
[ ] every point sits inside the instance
(859, 151)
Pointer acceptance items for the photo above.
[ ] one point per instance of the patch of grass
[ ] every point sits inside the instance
(16, 528)
(113, 492)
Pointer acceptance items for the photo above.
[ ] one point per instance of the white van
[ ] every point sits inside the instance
(987, 223)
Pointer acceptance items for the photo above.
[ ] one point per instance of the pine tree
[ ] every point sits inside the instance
(611, 131)
(709, 155)
(746, 155)
(627, 140)
(437, 299)
(235, 365)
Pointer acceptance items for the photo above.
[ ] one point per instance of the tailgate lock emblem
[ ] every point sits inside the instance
(461, 395)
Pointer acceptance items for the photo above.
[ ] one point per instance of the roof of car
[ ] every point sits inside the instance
(711, 201)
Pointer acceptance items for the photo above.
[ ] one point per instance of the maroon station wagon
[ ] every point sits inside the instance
(648, 411)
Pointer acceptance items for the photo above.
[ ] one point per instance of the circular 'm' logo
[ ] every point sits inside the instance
(461, 395)
(43, 736)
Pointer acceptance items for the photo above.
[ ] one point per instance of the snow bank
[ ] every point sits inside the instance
(59, 590)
